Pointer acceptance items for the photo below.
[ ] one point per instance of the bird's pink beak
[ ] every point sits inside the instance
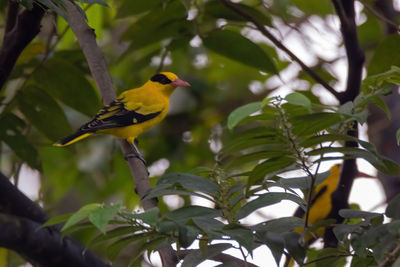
(179, 82)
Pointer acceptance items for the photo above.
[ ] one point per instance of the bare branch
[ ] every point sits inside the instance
(281, 46)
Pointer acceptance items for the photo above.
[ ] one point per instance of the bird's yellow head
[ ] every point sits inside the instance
(167, 81)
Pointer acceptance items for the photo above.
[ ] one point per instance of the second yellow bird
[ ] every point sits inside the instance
(133, 112)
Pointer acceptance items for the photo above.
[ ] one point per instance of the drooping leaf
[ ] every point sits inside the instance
(293, 246)
(101, 217)
(299, 99)
(184, 214)
(265, 200)
(115, 248)
(270, 166)
(43, 112)
(149, 216)
(280, 225)
(242, 112)
(81, 214)
(199, 255)
(11, 133)
(190, 182)
(393, 208)
(386, 55)
(240, 49)
(67, 83)
(313, 123)
(217, 10)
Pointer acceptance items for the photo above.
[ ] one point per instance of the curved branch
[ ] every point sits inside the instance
(94, 56)
(20, 31)
(24, 236)
(20, 222)
(281, 46)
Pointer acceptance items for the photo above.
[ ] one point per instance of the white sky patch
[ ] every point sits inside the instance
(29, 182)
(256, 87)
(158, 167)
(173, 202)
(156, 60)
(200, 61)
(196, 41)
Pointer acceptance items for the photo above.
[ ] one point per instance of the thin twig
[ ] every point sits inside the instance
(391, 257)
(281, 46)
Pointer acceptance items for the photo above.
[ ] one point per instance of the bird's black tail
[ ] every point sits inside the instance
(79, 135)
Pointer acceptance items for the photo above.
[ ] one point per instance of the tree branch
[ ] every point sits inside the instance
(94, 56)
(281, 46)
(355, 58)
(19, 33)
(43, 246)
(20, 222)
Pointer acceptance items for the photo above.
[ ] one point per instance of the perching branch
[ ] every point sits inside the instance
(281, 46)
(94, 56)
(20, 222)
(19, 32)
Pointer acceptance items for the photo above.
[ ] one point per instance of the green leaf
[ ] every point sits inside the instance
(242, 112)
(166, 20)
(81, 214)
(280, 225)
(352, 214)
(113, 233)
(266, 200)
(240, 49)
(382, 163)
(293, 246)
(218, 10)
(11, 131)
(314, 123)
(190, 182)
(187, 234)
(58, 8)
(299, 99)
(275, 243)
(393, 208)
(398, 137)
(304, 182)
(131, 8)
(210, 226)
(357, 261)
(43, 112)
(197, 256)
(67, 83)
(57, 220)
(386, 55)
(316, 7)
(115, 248)
(184, 214)
(270, 166)
(100, 217)
(150, 216)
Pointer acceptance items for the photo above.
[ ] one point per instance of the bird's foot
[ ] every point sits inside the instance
(135, 154)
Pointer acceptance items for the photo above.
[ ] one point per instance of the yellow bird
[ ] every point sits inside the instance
(321, 202)
(133, 112)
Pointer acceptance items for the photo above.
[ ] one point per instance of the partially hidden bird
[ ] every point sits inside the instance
(133, 112)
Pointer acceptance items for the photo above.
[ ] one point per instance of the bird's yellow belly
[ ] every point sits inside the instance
(132, 131)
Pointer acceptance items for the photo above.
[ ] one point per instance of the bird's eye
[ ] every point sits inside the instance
(161, 78)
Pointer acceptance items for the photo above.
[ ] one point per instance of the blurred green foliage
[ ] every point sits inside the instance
(244, 152)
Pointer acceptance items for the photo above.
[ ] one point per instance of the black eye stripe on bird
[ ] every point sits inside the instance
(161, 78)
